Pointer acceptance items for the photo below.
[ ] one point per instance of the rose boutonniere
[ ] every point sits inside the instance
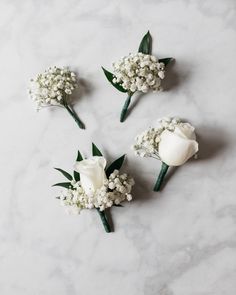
(94, 185)
(140, 71)
(172, 142)
(54, 88)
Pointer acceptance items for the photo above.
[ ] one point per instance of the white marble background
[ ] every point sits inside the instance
(178, 242)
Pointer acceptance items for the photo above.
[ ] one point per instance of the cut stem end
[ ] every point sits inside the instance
(164, 169)
(75, 116)
(104, 220)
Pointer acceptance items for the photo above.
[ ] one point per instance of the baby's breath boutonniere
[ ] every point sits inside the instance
(140, 71)
(172, 142)
(94, 185)
(53, 87)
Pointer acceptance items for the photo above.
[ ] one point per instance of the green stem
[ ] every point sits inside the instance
(125, 107)
(74, 116)
(104, 220)
(164, 169)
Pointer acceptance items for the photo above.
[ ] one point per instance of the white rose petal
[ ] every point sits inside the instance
(175, 149)
(186, 130)
(92, 174)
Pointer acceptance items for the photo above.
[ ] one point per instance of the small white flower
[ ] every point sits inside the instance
(102, 208)
(129, 197)
(161, 74)
(111, 185)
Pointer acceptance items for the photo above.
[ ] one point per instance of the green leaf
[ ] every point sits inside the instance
(95, 151)
(79, 157)
(146, 44)
(110, 77)
(64, 184)
(76, 176)
(66, 174)
(116, 165)
(166, 60)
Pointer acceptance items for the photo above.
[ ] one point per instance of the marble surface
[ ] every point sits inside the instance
(178, 242)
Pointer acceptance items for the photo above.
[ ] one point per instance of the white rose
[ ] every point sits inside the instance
(176, 147)
(92, 173)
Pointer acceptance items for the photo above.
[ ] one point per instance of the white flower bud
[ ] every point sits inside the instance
(111, 185)
(129, 197)
(161, 74)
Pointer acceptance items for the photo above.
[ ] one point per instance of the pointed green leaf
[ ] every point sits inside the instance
(110, 78)
(146, 44)
(116, 165)
(95, 151)
(166, 60)
(66, 174)
(76, 176)
(64, 184)
(79, 157)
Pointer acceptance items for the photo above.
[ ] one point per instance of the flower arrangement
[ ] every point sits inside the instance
(140, 71)
(53, 87)
(95, 186)
(173, 142)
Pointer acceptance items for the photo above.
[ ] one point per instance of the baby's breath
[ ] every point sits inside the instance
(139, 72)
(116, 189)
(52, 86)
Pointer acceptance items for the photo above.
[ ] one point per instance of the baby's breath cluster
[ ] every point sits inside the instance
(52, 86)
(139, 72)
(116, 189)
(146, 143)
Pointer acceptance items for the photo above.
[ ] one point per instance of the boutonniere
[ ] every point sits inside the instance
(94, 185)
(54, 87)
(172, 142)
(140, 71)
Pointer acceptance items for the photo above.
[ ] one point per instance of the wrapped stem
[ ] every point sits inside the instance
(104, 220)
(125, 107)
(164, 169)
(74, 116)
